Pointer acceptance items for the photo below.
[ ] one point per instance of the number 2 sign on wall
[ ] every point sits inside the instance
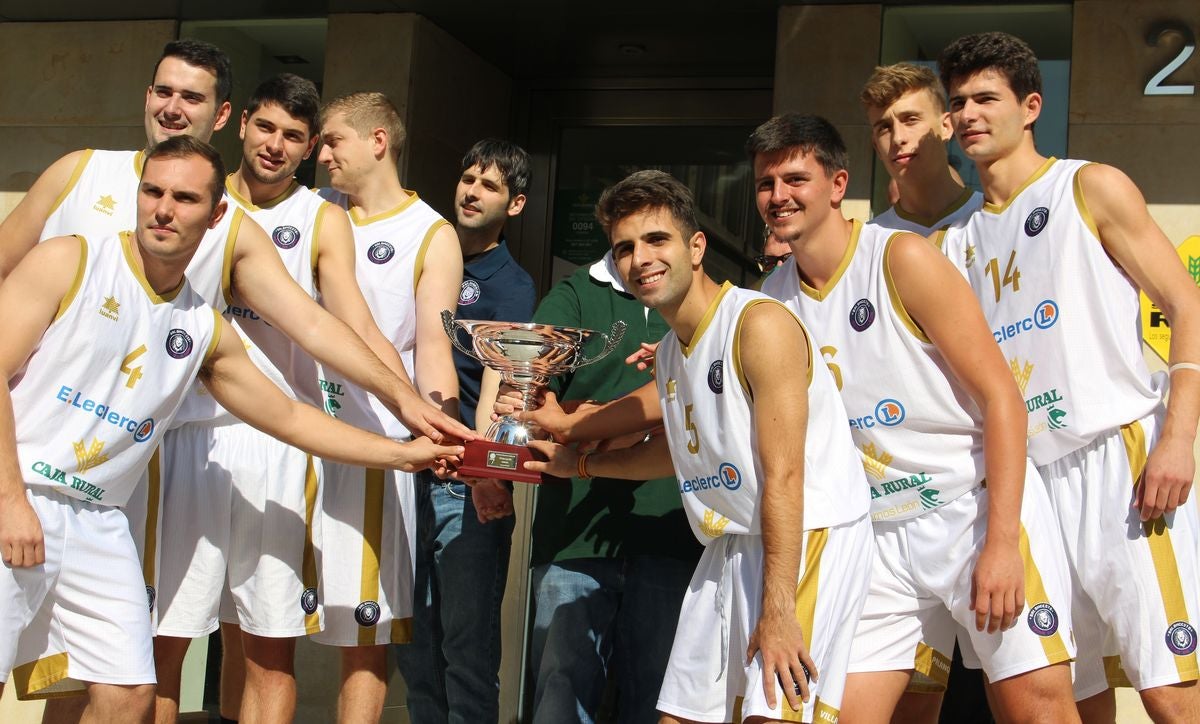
(1163, 33)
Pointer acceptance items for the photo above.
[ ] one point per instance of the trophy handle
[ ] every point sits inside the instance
(452, 332)
(612, 339)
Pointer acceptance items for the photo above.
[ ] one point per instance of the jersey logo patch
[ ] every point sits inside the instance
(367, 613)
(1036, 221)
(713, 524)
(179, 343)
(469, 293)
(111, 308)
(730, 476)
(875, 461)
(889, 412)
(1046, 314)
(150, 596)
(862, 314)
(1181, 638)
(89, 456)
(285, 237)
(716, 377)
(106, 205)
(308, 601)
(1043, 619)
(381, 252)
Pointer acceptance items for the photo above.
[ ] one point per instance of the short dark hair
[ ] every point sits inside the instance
(1006, 54)
(642, 190)
(298, 96)
(204, 55)
(510, 160)
(184, 146)
(795, 132)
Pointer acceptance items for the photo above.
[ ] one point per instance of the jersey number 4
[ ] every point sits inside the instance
(135, 373)
(1012, 274)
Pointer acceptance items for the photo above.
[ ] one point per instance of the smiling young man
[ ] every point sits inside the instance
(409, 266)
(74, 601)
(1057, 257)
(241, 505)
(910, 127)
(772, 605)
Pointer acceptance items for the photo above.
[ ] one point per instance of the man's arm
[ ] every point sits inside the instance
(635, 412)
(235, 382)
(770, 332)
(644, 461)
(21, 230)
(1138, 246)
(437, 290)
(946, 312)
(261, 280)
(29, 301)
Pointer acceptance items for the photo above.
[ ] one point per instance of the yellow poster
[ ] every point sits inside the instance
(1156, 331)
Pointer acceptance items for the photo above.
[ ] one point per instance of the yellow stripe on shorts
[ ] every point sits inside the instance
(312, 621)
(932, 670)
(1035, 593)
(33, 677)
(372, 542)
(150, 544)
(1162, 552)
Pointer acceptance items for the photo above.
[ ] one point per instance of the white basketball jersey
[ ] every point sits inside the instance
(896, 218)
(100, 198)
(709, 418)
(389, 253)
(95, 397)
(919, 434)
(1066, 317)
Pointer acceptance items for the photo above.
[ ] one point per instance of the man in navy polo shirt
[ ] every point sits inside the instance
(451, 667)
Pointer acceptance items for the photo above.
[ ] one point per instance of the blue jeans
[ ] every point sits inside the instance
(596, 612)
(451, 667)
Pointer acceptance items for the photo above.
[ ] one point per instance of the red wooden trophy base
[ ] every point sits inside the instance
(488, 459)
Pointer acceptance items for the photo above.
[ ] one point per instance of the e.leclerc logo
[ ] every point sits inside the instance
(141, 430)
(1045, 315)
(728, 476)
(888, 412)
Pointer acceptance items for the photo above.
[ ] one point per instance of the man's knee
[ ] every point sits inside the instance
(1173, 703)
(1042, 695)
(110, 702)
(269, 653)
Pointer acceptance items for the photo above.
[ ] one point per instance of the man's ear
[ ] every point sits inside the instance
(516, 204)
(223, 112)
(698, 244)
(1032, 106)
(218, 213)
(841, 182)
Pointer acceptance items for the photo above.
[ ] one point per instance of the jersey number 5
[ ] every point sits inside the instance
(693, 434)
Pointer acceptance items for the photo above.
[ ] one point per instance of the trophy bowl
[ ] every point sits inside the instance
(526, 356)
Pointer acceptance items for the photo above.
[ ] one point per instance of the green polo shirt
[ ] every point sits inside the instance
(601, 517)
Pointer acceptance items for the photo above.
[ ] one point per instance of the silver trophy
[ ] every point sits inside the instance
(526, 355)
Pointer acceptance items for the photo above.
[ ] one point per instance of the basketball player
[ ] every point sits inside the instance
(105, 338)
(943, 417)
(228, 482)
(409, 266)
(910, 127)
(1056, 258)
(768, 610)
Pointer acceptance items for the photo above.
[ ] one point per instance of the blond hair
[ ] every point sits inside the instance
(889, 82)
(364, 112)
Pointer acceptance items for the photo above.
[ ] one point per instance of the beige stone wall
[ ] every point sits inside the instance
(823, 54)
(1151, 138)
(83, 85)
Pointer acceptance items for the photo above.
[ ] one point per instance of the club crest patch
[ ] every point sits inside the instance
(862, 314)
(308, 601)
(179, 343)
(1043, 619)
(381, 252)
(469, 293)
(367, 613)
(716, 377)
(1036, 221)
(285, 237)
(1181, 638)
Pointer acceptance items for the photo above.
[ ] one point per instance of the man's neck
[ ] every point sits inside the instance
(819, 253)
(684, 318)
(476, 241)
(378, 193)
(929, 198)
(248, 187)
(162, 276)
(1002, 177)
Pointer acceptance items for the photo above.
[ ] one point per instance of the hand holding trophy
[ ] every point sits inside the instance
(526, 355)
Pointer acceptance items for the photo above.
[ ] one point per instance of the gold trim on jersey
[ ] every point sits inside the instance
(737, 345)
(361, 221)
(216, 337)
(992, 208)
(1035, 593)
(955, 205)
(150, 544)
(1162, 551)
(315, 252)
(810, 578)
(31, 678)
(69, 297)
(231, 189)
(139, 162)
(1081, 203)
(372, 544)
(308, 565)
(705, 320)
(931, 670)
(74, 179)
(823, 292)
(419, 264)
(235, 225)
(897, 303)
(155, 297)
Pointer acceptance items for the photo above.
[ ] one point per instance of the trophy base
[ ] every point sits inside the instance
(488, 459)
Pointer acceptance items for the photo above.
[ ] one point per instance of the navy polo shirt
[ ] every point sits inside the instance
(494, 287)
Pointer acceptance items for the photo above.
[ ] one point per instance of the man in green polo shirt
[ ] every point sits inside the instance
(611, 561)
